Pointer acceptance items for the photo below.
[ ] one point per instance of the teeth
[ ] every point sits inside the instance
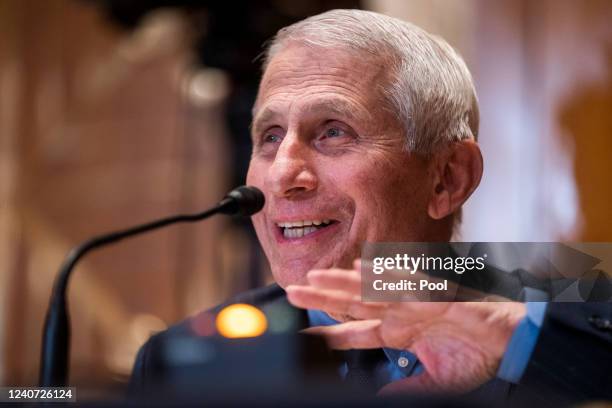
(305, 223)
(298, 229)
(293, 232)
(298, 232)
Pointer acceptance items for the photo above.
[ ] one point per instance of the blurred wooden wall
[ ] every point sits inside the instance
(543, 73)
(102, 129)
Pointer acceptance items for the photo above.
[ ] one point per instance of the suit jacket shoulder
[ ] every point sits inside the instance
(571, 359)
(271, 299)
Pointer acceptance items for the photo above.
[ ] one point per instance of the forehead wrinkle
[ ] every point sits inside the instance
(335, 106)
(343, 81)
(291, 76)
(298, 75)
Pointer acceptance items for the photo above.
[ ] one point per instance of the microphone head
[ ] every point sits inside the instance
(245, 201)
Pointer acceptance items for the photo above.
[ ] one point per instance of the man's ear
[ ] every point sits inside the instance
(456, 174)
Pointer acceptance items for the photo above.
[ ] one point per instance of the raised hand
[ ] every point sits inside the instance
(460, 344)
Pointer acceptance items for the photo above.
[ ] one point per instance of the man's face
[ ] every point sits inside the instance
(330, 161)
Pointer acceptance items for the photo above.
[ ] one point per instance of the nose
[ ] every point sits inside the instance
(292, 175)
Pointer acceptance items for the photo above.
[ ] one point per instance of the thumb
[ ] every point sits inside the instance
(422, 383)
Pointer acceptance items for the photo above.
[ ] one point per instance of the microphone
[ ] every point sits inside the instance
(244, 200)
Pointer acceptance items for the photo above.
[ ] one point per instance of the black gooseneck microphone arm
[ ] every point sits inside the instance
(56, 333)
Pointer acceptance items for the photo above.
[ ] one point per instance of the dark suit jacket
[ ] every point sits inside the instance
(571, 361)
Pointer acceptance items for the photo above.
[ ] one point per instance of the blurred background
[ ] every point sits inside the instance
(113, 113)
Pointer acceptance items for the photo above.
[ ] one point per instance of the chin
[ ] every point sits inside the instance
(292, 273)
(285, 278)
(296, 275)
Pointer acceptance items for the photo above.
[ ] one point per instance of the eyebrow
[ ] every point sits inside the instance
(260, 119)
(336, 107)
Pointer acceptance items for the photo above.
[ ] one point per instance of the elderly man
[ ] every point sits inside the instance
(365, 129)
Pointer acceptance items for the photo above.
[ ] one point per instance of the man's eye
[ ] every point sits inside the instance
(270, 138)
(334, 132)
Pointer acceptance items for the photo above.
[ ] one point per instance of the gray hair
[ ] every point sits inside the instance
(430, 88)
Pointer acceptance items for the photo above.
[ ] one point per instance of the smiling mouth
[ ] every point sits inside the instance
(299, 229)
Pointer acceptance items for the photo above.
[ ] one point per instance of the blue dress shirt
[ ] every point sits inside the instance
(402, 363)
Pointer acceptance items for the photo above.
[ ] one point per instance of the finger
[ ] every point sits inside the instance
(496, 298)
(336, 279)
(415, 312)
(334, 301)
(356, 334)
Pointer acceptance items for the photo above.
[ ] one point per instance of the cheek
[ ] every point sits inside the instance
(394, 194)
(366, 183)
(355, 176)
(253, 174)
(259, 225)
(254, 178)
